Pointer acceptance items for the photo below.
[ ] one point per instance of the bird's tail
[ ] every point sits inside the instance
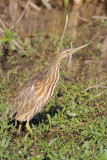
(6, 114)
(10, 113)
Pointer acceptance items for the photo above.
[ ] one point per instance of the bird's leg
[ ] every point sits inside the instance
(20, 126)
(28, 127)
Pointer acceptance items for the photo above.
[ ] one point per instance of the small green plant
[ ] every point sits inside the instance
(8, 38)
(104, 23)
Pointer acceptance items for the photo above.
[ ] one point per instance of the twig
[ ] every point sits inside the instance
(34, 6)
(1, 31)
(83, 19)
(15, 12)
(96, 86)
(63, 33)
(46, 4)
(2, 23)
(21, 15)
(100, 17)
(70, 57)
(81, 124)
(18, 46)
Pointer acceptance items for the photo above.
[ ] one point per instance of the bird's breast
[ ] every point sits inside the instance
(46, 91)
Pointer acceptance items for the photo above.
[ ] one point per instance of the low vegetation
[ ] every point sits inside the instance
(73, 123)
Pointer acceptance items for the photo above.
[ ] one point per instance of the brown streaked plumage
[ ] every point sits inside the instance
(32, 97)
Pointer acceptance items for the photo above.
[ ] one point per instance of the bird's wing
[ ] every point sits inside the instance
(24, 100)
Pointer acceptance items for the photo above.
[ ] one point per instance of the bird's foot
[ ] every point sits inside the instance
(20, 126)
(28, 127)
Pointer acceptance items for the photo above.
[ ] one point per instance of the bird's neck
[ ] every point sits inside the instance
(55, 62)
(53, 67)
(51, 75)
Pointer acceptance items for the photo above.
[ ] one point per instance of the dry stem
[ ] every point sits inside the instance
(97, 86)
(21, 15)
(63, 33)
(100, 17)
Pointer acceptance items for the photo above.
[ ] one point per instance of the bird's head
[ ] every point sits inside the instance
(67, 52)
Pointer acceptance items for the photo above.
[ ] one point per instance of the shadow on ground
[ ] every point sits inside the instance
(39, 118)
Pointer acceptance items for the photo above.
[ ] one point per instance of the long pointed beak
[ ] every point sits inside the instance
(73, 50)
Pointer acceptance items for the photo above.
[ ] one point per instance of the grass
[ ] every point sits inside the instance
(73, 124)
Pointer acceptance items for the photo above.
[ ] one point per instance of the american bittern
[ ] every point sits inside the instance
(32, 97)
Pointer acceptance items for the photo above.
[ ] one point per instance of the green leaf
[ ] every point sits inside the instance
(53, 153)
(49, 118)
(5, 143)
(71, 114)
(52, 142)
(12, 45)
(7, 32)
(26, 42)
(52, 157)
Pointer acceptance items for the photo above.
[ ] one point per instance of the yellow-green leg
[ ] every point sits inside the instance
(28, 127)
(20, 126)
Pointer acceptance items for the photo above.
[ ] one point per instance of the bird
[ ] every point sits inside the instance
(33, 96)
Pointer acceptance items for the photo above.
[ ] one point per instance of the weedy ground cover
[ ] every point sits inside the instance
(73, 124)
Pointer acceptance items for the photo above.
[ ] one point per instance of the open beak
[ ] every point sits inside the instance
(73, 50)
